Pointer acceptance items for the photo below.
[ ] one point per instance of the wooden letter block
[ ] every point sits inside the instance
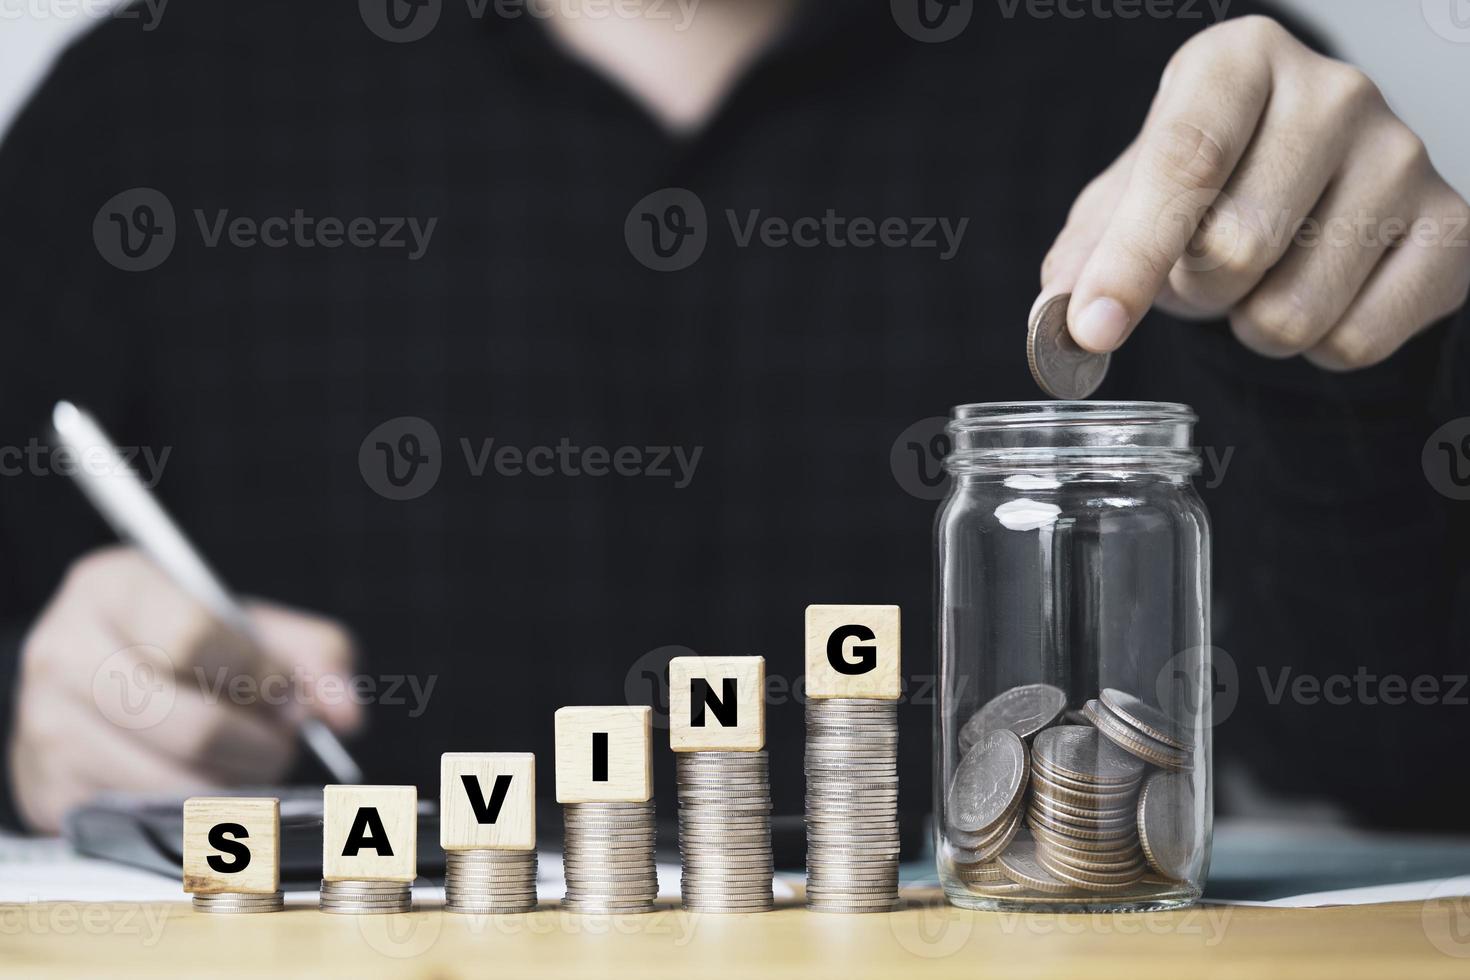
(487, 800)
(232, 844)
(717, 704)
(853, 652)
(604, 755)
(370, 833)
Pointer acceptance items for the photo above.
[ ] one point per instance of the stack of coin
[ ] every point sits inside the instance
(851, 804)
(1138, 727)
(725, 831)
(608, 857)
(984, 807)
(488, 881)
(363, 897)
(238, 902)
(1082, 815)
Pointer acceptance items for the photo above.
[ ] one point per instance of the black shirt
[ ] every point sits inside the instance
(791, 370)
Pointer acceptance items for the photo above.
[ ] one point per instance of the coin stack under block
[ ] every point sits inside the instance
(717, 730)
(604, 781)
(853, 685)
(369, 849)
(232, 854)
(487, 827)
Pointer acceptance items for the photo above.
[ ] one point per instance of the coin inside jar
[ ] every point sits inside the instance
(989, 782)
(1025, 710)
(1143, 716)
(1166, 824)
(1084, 756)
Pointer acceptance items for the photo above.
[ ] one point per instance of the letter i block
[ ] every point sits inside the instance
(604, 755)
(232, 844)
(853, 652)
(487, 800)
(717, 704)
(370, 833)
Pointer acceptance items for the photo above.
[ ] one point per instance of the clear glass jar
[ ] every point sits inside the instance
(1072, 750)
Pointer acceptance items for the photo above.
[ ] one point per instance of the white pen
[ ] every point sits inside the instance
(135, 514)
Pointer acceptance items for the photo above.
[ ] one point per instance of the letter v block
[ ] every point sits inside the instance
(853, 652)
(487, 800)
(370, 833)
(717, 704)
(232, 844)
(604, 755)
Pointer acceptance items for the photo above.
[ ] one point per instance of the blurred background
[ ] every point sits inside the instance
(1421, 62)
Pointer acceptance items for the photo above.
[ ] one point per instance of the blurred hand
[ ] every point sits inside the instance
(128, 684)
(1276, 187)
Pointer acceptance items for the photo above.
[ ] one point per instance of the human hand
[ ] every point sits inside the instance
(126, 683)
(1275, 187)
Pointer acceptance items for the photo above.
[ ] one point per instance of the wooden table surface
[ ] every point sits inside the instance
(926, 939)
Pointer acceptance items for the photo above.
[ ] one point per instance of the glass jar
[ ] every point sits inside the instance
(1072, 751)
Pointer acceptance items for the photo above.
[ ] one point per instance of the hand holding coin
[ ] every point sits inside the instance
(1242, 198)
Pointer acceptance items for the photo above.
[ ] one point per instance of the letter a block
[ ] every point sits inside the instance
(487, 800)
(717, 704)
(604, 755)
(370, 833)
(232, 844)
(853, 652)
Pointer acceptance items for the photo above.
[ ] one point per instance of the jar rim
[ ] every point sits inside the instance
(1117, 436)
(979, 416)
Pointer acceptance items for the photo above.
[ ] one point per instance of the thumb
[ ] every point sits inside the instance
(318, 654)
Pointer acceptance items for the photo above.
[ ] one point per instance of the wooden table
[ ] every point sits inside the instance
(926, 939)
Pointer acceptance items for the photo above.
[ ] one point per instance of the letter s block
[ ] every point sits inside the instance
(487, 800)
(370, 833)
(232, 844)
(717, 704)
(604, 755)
(853, 652)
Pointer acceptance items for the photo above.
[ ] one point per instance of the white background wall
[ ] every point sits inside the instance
(1418, 50)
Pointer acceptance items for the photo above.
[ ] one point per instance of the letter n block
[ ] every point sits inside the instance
(487, 800)
(604, 755)
(853, 652)
(717, 704)
(232, 844)
(370, 833)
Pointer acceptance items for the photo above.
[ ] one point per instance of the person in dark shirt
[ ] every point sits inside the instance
(528, 349)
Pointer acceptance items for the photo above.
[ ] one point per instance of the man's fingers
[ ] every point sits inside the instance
(319, 655)
(138, 601)
(203, 720)
(1310, 289)
(1275, 186)
(1414, 287)
(1198, 130)
(52, 772)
